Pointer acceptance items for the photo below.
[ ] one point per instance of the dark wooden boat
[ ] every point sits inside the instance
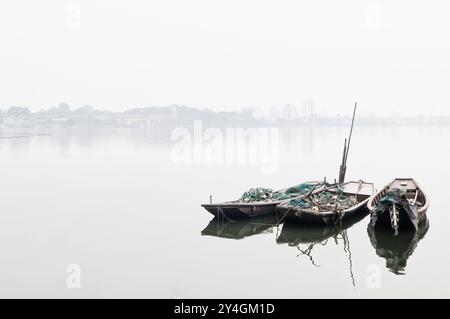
(237, 210)
(359, 192)
(218, 227)
(408, 208)
(396, 249)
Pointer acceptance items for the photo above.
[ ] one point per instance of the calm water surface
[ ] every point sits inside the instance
(116, 203)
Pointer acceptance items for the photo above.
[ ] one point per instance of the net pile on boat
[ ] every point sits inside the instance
(325, 201)
(260, 194)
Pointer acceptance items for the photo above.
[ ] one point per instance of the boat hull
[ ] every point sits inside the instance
(293, 214)
(241, 211)
(236, 210)
(361, 190)
(409, 184)
(405, 222)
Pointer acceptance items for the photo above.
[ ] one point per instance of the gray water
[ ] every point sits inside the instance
(115, 203)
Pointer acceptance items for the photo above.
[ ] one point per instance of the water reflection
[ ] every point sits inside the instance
(305, 242)
(295, 234)
(220, 227)
(396, 249)
(305, 237)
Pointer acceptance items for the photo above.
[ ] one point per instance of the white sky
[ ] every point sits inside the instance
(390, 56)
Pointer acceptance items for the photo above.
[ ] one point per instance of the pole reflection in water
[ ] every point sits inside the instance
(396, 249)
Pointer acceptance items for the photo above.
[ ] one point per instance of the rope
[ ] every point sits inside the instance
(284, 216)
(223, 215)
(307, 252)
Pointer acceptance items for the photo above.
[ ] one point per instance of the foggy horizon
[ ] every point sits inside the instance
(321, 111)
(389, 57)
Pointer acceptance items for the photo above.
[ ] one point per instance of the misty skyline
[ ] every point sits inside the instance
(390, 57)
(66, 116)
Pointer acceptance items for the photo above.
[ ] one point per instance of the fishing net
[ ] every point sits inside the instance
(303, 188)
(326, 201)
(397, 197)
(256, 195)
(300, 202)
(261, 194)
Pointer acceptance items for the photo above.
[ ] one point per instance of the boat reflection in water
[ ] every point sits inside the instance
(224, 228)
(305, 237)
(396, 249)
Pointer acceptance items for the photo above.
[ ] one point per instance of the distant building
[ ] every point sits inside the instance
(147, 117)
(16, 121)
(308, 109)
(289, 113)
(259, 113)
(253, 113)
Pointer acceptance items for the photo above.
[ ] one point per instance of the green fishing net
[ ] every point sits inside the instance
(303, 188)
(259, 194)
(326, 201)
(256, 195)
(300, 202)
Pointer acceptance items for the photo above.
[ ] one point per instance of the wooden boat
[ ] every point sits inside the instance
(396, 249)
(236, 210)
(400, 204)
(358, 192)
(218, 227)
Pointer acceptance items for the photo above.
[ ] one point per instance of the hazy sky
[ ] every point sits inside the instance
(389, 55)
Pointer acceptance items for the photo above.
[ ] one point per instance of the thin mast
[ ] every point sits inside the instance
(351, 132)
(343, 167)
